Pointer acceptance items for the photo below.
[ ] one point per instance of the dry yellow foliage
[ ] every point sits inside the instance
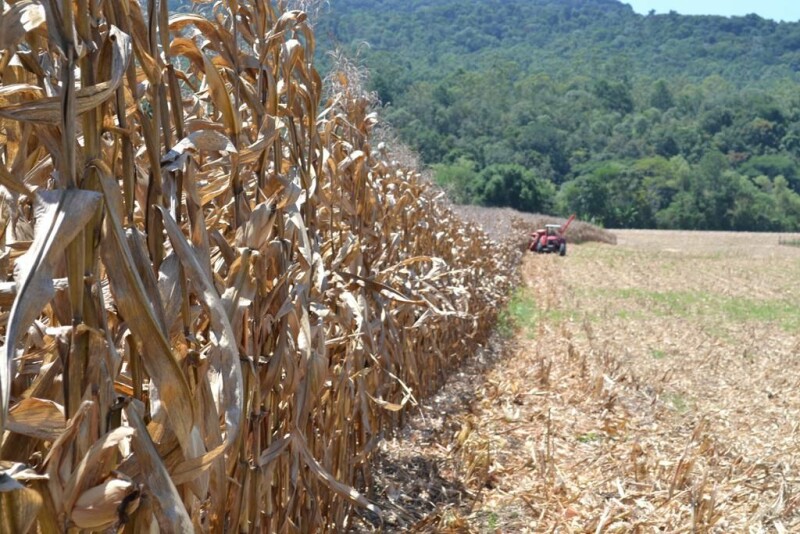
(216, 295)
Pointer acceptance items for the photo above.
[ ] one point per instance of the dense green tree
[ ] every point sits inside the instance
(515, 186)
(661, 97)
(584, 106)
(457, 178)
(615, 96)
(773, 166)
(587, 196)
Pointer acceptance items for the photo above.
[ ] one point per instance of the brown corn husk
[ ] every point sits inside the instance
(216, 295)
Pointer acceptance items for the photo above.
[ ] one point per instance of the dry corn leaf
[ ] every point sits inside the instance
(13, 185)
(347, 492)
(172, 515)
(200, 140)
(132, 299)
(19, 18)
(191, 469)
(38, 418)
(388, 405)
(227, 357)
(19, 507)
(49, 110)
(219, 92)
(60, 216)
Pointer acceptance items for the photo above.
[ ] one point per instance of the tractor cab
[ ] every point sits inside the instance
(551, 238)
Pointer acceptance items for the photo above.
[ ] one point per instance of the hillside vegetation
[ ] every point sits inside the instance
(584, 106)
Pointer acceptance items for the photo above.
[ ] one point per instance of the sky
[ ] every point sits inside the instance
(788, 10)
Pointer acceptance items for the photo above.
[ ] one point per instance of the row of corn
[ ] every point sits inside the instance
(216, 295)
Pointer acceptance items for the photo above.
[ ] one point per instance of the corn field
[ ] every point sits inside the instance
(217, 295)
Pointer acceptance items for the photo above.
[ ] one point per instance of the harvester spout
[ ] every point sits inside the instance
(563, 229)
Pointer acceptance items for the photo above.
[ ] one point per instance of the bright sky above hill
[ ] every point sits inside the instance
(788, 10)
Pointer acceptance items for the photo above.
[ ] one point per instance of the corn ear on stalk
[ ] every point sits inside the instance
(105, 505)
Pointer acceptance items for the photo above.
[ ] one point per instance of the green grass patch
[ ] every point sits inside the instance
(681, 303)
(781, 312)
(692, 304)
(589, 437)
(677, 401)
(519, 314)
(492, 521)
(658, 354)
(522, 314)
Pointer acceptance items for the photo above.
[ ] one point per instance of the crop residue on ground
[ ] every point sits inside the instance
(649, 385)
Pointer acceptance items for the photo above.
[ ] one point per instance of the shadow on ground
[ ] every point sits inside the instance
(418, 474)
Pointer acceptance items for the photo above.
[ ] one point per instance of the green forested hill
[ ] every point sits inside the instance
(564, 36)
(586, 106)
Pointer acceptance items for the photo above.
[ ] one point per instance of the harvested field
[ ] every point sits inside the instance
(647, 387)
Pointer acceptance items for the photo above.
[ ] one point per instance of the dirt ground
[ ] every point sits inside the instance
(650, 386)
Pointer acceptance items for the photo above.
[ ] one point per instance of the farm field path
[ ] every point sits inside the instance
(651, 386)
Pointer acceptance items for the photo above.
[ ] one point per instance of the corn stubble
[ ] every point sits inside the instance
(217, 295)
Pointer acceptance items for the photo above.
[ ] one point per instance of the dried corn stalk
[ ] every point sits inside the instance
(216, 295)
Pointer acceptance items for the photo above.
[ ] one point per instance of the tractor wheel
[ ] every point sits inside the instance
(562, 249)
(538, 247)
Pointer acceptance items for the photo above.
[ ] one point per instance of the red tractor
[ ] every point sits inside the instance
(551, 238)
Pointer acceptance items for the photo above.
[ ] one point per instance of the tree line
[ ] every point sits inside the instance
(654, 121)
